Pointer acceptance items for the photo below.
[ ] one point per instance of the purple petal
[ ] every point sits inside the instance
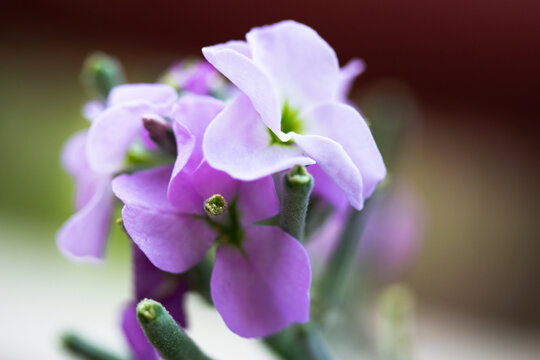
(112, 133)
(257, 200)
(160, 95)
(172, 242)
(193, 113)
(299, 62)
(74, 161)
(209, 181)
(146, 189)
(138, 344)
(150, 282)
(238, 143)
(343, 124)
(347, 75)
(267, 289)
(333, 160)
(92, 109)
(327, 188)
(250, 79)
(84, 235)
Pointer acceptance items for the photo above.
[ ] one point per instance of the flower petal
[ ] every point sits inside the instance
(172, 242)
(257, 200)
(299, 62)
(250, 79)
(209, 181)
(347, 75)
(267, 289)
(238, 143)
(160, 95)
(327, 188)
(194, 113)
(111, 134)
(146, 189)
(83, 237)
(343, 124)
(333, 160)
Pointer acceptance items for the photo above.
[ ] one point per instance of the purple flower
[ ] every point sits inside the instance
(291, 111)
(152, 283)
(195, 76)
(83, 236)
(261, 277)
(114, 130)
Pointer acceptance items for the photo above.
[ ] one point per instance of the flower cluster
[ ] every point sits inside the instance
(194, 161)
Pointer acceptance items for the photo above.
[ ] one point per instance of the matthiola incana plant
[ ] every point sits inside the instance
(216, 180)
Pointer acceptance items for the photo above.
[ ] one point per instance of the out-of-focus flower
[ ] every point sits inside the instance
(83, 236)
(393, 232)
(151, 283)
(291, 111)
(196, 77)
(391, 236)
(261, 277)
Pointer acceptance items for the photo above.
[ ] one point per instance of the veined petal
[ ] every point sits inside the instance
(238, 142)
(146, 189)
(111, 134)
(172, 242)
(250, 79)
(194, 113)
(84, 236)
(333, 160)
(347, 75)
(298, 61)
(160, 95)
(257, 200)
(266, 289)
(209, 181)
(343, 124)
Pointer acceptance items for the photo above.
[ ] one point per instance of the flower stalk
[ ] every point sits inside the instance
(296, 187)
(164, 334)
(78, 346)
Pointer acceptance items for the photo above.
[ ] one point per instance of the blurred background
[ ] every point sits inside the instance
(463, 75)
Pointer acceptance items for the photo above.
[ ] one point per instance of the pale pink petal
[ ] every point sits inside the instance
(250, 79)
(238, 142)
(298, 61)
(112, 133)
(343, 124)
(84, 236)
(347, 75)
(160, 95)
(333, 160)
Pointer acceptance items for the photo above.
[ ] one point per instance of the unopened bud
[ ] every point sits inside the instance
(298, 175)
(101, 73)
(160, 132)
(215, 205)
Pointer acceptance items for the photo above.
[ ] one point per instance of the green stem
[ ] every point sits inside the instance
(299, 342)
(77, 346)
(164, 333)
(296, 188)
(333, 284)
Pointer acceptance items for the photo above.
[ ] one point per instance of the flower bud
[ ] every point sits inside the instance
(160, 132)
(100, 73)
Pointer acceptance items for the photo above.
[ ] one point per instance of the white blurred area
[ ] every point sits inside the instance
(43, 295)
